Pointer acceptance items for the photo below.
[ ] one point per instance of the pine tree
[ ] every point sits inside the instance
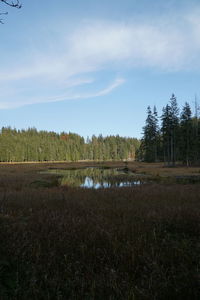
(196, 132)
(166, 133)
(186, 137)
(155, 133)
(174, 127)
(150, 136)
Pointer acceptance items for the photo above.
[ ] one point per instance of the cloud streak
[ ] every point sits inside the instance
(63, 97)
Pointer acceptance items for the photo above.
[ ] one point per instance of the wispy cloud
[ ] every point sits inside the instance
(62, 97)
(102, 92)
(165, 44)
(107, 90)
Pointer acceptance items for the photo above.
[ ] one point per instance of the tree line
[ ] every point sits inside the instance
(176, 138)
(33, 145)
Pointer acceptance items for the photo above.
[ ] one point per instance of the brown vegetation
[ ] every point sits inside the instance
(69, 243)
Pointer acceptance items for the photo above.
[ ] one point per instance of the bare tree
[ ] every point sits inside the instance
(15, 4)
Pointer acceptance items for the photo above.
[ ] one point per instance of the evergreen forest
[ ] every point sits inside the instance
(176, 138)
(33, 145)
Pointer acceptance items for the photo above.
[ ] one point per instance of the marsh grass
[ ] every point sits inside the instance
(69, 243)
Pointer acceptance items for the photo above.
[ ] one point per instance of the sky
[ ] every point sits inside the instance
(93, 67)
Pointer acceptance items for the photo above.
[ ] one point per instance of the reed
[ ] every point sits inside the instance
(69, 243)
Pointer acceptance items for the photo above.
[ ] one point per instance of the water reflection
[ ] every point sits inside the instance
(90, 183)
(96, 177)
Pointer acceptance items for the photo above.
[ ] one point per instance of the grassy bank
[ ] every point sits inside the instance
(69, 243)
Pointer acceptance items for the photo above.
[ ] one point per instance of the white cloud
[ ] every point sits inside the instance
(163, 47)
(168, 45)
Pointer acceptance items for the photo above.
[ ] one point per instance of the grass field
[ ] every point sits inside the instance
(139, 242)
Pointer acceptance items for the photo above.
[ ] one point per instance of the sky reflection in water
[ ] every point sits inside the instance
(90, 183)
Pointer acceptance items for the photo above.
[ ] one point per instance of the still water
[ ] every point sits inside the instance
(94, 177)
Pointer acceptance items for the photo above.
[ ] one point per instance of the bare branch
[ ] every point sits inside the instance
(1, 20)
(15, 4)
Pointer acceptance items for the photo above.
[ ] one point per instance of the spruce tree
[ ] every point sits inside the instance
(186, 136)
(155, 133)
(174, 118)
(166, 133)
(150, 136)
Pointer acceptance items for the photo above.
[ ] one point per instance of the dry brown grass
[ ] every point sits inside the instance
(71, 243)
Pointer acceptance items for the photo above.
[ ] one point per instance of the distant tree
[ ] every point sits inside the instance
(156, 133)
(169, 129)
(15, 4)
(165, 130)
(174, 118)
(33, 145)
(196, 132)
(186, 134)
(150, 136)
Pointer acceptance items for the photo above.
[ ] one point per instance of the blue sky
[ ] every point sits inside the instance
(93, 66)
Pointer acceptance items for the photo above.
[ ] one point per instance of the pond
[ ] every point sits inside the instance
(106, 177)
(96, 177)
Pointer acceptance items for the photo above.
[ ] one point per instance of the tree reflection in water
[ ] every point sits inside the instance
(96, 177)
